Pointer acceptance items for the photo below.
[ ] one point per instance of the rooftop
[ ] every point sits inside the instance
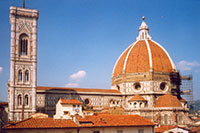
(168, 100)
(137, 98)
(98, 120)
(163, 128)
(70, 101)
(45, 88)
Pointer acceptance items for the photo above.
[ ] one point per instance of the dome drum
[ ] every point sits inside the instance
(145, 76)
(144, 87)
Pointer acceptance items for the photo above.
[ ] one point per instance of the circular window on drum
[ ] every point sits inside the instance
(137, 86)
(163, 86)
(86, 101)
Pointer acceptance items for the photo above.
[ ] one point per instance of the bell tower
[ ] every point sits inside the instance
(23, 63)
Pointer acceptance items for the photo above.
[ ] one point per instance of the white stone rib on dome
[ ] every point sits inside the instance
(119, 58)
(172, 63)
(124, 67)
(150, 56)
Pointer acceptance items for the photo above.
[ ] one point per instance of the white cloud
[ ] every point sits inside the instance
(186, 65)
(1, 69)
(78, 75)
(72, 85)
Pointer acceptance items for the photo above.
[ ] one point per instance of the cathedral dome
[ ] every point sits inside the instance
(137, 98)
(168, 100)
(144, 55)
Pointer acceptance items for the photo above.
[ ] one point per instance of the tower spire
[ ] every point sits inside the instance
(23, 3)
(143, 31)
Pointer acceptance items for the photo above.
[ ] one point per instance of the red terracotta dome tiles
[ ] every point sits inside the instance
(138, 60)
(161, 62)
(168, 100)
(120, 63)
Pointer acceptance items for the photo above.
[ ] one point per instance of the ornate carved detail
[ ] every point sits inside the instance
(29, 26)
(20, 26)
(23, 67)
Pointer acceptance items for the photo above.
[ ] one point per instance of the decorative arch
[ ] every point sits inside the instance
(26, 76)
(19, 100)
(26, 100)
(165, 119)
(19, 75)
(23, 44)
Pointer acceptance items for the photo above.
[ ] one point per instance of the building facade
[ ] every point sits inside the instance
(144, 80)
(23, 62)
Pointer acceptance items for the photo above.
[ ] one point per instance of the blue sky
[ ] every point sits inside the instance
(79, 41)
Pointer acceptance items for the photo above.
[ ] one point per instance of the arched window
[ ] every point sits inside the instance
(20, 75)
(19, 100)
(23, 44)
(135, 105)
(118, 88)
(26, 100)
(26, 76)
(165, 119)
(140, 105)
(180, 121)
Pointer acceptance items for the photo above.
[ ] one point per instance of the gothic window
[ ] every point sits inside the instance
(140, 105)
(20, 75)
(26, 77)
(23, 44)
(180, 119)
(26, 100)
(19, 100)
(165, 119)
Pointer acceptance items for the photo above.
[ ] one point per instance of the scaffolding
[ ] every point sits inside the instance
(187, 89)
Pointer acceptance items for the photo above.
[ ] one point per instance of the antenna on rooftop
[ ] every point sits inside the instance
(23, 3)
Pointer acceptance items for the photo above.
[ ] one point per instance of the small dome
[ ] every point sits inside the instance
(137, 98)
(168, 100)
(144, 55)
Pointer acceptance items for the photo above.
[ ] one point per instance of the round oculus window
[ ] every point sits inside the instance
(87, 101)
(162, 85)
(137, 86)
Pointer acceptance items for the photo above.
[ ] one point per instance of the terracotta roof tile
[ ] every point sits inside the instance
(161, 62)
(168, 100)
(183, 100)
(137, 98)
(112, 120)
(163, 128)
(120, 63)
(70, 101)
(100, 120)
(78, 89)
(196, 129)
(138, 59)
(42, 123)
(4, 103)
